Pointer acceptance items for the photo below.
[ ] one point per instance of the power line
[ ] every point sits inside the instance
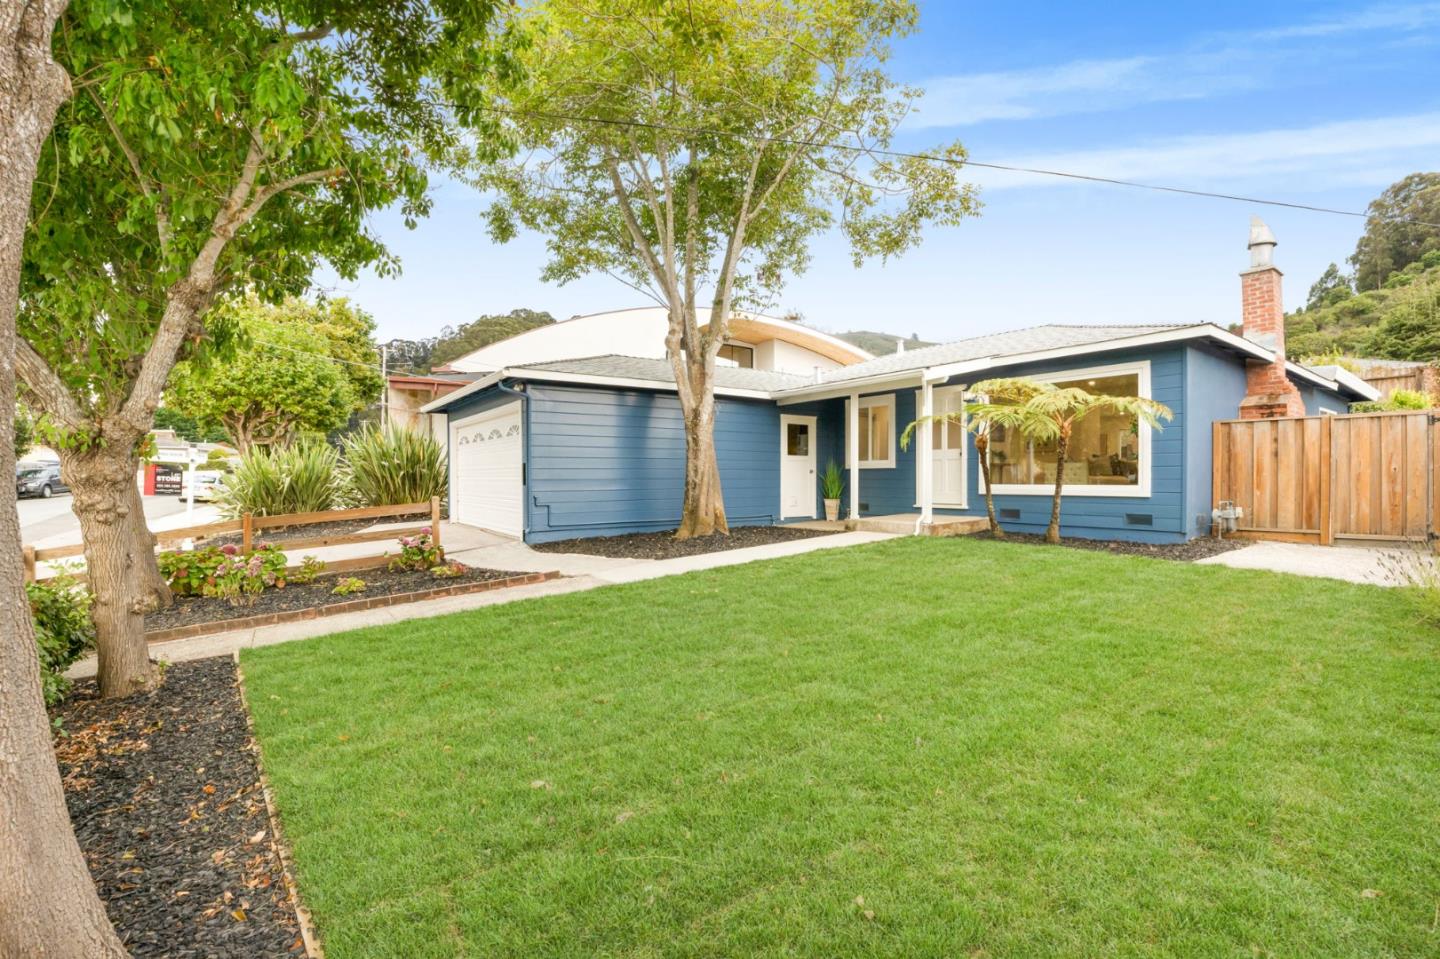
(902, 154)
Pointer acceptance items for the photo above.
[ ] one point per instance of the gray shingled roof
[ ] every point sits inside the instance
(1050, 337)
(645, 368)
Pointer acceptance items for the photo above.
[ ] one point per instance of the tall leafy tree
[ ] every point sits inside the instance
(677, 145)
(1401, 229)
(47, 900)
(1332, 287)
(210, 147)
(279, 381)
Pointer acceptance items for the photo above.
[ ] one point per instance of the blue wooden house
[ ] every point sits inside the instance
(594, 446)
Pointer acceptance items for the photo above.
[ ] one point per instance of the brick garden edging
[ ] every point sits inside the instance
(349, 606)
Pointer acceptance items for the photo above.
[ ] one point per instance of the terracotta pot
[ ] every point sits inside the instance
(832, 509)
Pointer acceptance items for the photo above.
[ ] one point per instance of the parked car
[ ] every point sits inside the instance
(43, 481)
(208, 484)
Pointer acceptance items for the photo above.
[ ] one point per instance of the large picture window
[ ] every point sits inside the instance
(877, 432)
(1109, 453)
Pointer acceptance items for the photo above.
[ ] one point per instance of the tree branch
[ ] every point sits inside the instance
(147, 186)
(50, 392)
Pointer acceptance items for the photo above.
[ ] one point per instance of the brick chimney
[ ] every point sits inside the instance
(1268, 391)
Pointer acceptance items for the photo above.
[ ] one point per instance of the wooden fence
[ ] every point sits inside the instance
(1318, 479)
(248, 525)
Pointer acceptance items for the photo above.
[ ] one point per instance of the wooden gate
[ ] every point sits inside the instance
(1322, 478)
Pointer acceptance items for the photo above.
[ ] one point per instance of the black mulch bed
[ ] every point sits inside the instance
(164, 793)
(664, 545)
(339, 527)
(378, 582)
(1181, 552)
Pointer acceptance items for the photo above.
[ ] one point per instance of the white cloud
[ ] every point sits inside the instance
(1348, 153)
(1222, 64)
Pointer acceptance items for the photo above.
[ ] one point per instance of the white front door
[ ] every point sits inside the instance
(947, 451)
(797, 466)
(487, 487)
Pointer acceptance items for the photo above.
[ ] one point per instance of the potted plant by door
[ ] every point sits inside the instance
(832, 487)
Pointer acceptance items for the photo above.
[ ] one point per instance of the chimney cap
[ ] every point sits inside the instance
(1262, 244)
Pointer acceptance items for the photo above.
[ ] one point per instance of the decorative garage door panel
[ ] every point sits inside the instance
(488, 481)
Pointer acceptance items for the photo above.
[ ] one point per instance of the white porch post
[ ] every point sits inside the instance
(852, 451)
(926, 463)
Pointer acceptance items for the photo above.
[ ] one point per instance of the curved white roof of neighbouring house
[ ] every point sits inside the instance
(641, 332)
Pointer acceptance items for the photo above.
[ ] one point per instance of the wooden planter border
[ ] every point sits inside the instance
(349, 606)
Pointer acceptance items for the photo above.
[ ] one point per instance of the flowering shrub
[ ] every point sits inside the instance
(224, 573)
(418, 552)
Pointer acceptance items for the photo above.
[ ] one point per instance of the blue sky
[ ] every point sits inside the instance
(1316, 103)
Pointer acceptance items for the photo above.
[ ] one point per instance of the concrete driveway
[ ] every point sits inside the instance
(1354, 564)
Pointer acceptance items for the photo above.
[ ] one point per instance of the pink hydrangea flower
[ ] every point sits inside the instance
(229, 549)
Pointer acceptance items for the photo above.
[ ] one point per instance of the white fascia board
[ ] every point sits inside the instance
(1356, 385)
(880, 382)
(464, 391)
(587, 379)
(933, 374)
(1305, 373)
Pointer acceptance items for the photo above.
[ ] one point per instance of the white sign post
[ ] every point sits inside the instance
(190, 485)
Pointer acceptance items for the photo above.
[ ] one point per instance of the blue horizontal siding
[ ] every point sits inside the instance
(604, 462)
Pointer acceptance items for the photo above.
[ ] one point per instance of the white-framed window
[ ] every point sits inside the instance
(877, 432)
(1109, 453)
(736, 354)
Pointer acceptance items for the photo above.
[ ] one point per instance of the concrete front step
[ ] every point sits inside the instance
(904, 524)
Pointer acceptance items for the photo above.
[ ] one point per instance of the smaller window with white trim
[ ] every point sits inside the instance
(877, 432)
(732, 354)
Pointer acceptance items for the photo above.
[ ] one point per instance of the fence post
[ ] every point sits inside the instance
(1327, 481)
(247, 533)
(28, 556)
(435, 520)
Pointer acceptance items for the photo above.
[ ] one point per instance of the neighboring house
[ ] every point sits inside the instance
(755, 342)
(588, 446)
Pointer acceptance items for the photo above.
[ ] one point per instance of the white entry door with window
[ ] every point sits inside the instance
(947, 450)
(487, 479)
(797, 467)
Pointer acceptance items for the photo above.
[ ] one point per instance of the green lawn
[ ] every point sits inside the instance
(917, 748)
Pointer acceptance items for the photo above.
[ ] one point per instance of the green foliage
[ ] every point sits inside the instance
(310, 567)
(453, 344)
(1398, 400)
(418, 552)
(639, 202)
(185, 427)
(1332, 287)
(60, 609)
(295, 121)
(881, 344)
(303, 478)
(278, 380)
(1399, 321)
(832, 481)
(451, 570)
(395, 465)
(348, 586)
(1399, 230)
(216, 460)
(222, 572)
(24, 431)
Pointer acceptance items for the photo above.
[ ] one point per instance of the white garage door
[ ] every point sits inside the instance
(486, 452)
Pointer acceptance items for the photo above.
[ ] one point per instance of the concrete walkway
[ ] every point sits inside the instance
(1354, 564)
(479, 548)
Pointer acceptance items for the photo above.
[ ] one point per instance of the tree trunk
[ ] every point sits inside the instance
(149, 584)
(1062, 446)
(48, 905)
(115, 562)
(703, 511)
(982, 452)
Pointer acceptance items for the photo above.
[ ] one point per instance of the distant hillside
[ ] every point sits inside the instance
(881, 344)
(1399, 321)
(420, 356)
